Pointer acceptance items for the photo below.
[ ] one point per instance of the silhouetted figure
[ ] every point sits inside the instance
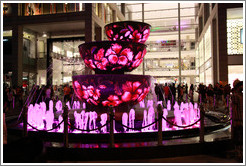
(237, 118)
(191, 93)
(210, 96)
(158, 92)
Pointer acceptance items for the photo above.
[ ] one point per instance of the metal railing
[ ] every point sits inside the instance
(158, 121)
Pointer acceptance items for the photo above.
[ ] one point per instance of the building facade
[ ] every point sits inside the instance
(219, 48)
(40, 40)
(189, 43)
(171, 44)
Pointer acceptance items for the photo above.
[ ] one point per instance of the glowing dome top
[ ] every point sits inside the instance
(131, 31)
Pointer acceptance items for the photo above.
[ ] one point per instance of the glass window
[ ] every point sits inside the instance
(35, 8)
(163, 42)
(29, 41)
(30, 9)
(208, 76)
(119, 6)
(108, 14)
(7, 9)
(71, 7)
(7, 42)
(235, 72)
(234, 35)
(41, 49)
(7, 45)
(197, 59)
(134, 11)
(99, 10)
(234, 31)
(59, 8)
(201, 53)
(201, 77)
(66, 61)
(207, 44)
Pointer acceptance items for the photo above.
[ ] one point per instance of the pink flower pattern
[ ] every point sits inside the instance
(113, 100)
(90, 94)
(127, 32)
(115, 56)
(128, 92)
(131, 91)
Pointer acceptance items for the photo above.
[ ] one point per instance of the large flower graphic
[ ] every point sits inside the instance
(128, 53)
(90, 94)
(113, 100)
(131, 91)
(89, 63)
(136, 36)
(99, 55)
(146, 34)
(100, 61)
(144, 94)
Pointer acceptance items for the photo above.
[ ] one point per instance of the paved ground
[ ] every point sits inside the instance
(185, 159)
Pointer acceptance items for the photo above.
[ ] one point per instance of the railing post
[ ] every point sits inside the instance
(201, 123)
(24, 118)
(160, 113)
(214, 101)
(111, 129)
(232, 116)
(65, 118)
(227, 104)
(229, 107)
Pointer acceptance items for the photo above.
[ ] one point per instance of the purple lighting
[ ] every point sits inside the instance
(107, 57)
(106, 90)
(110, 59)
(130, 31)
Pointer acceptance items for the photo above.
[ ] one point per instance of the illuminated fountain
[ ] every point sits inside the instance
(123, 52)
(111, 87)
(44, 119)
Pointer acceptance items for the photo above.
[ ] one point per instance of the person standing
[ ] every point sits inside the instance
(67, 92)
(158, 92)
(5, 109)
(48, 95)
(186, 92)
(210, 96)
(173, 89)
(202, 94)
(237, 118)
(19, 95)
(191, 93)
(226, 93)
(166, 92)
(10, 96)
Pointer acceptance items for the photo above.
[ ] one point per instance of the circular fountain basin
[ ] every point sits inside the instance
(109, 57)
(131, 31)
(111, 90)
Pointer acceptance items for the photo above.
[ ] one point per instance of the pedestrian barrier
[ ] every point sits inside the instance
(112, 119)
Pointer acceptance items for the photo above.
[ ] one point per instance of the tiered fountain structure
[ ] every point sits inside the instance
(123, 52)
(110, 59)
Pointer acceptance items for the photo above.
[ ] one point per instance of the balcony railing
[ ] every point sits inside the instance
(30, 9)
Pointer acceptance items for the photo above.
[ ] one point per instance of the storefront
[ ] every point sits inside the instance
(65, 59)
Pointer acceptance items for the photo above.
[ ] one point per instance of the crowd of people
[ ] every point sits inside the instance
(17, 96)
(173, 92)
(211, 96)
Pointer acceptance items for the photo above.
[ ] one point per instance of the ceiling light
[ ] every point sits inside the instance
(44, 34)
